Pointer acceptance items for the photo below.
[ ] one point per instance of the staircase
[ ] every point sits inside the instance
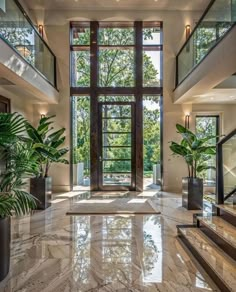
(212, 241)
(212, 236)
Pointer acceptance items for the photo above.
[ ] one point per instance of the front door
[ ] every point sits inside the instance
(116, 146)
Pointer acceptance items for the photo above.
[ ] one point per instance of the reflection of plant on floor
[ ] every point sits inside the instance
(150, 253)
(82, 249)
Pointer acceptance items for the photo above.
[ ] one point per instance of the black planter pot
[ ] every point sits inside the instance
(5, 238)
(192, 189)
(41, 188)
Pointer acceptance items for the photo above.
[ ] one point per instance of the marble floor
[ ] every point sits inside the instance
(54, 252)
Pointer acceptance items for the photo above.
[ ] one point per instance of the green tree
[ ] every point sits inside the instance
(83, 127)
(151, 133)
(116, 69)
(206, 36)
(207, 126)
(20, 37)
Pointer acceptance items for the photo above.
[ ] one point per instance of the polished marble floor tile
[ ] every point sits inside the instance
(222, 265)
(223, 229)
(125, 253)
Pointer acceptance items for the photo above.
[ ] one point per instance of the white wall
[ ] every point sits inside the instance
(22, 107)
(59, 42)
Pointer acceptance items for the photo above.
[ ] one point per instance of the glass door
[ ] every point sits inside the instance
(116, 146)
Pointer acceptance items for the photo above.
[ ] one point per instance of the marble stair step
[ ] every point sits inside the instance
(217, 264)
(231, 209)
(220, 227)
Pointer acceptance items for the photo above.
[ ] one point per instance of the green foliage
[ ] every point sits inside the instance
(11, 128)
(151, 130)
(206, 37)
(46, 144)
(116, 66)
(116, 69)
(83, 128)
(19, 36)
(18, 162)
(194, 150)
(207, 126)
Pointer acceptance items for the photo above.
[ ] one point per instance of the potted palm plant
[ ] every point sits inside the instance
(46, 143)
(196, 152)
(17, 164)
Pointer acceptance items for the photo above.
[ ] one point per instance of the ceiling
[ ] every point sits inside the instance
(195, 5)
(216, 96)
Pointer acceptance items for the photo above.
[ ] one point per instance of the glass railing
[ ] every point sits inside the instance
(217, 20)
(18, 31)
(226, 168)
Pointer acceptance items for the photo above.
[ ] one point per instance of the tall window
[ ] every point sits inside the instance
(120, 62)
(208, 126)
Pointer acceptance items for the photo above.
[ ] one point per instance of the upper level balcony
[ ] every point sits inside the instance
(25, 58)
(208, 56)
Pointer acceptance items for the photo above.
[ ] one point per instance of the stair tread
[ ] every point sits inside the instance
(222, 265)
(231, 209)
(222, 228)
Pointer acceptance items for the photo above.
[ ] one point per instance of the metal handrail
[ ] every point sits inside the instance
(33, 26)
(220, 196)
(24, 14)
(187, 44)
(196, 27)
(230, 194)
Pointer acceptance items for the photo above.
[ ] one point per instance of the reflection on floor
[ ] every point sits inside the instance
(147, 185)
(55, 252)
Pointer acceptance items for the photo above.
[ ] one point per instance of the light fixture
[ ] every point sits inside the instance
(186, 121)
(42, 116)
(187, 31)
(40, 29)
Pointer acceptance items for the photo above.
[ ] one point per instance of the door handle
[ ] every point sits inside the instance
(100, 158)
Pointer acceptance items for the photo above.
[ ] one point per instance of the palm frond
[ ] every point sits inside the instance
(24, 202)
(12, 128)
(46, 143)
(6, 203)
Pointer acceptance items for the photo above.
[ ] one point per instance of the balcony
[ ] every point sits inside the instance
(207, 51)
(25, 58)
